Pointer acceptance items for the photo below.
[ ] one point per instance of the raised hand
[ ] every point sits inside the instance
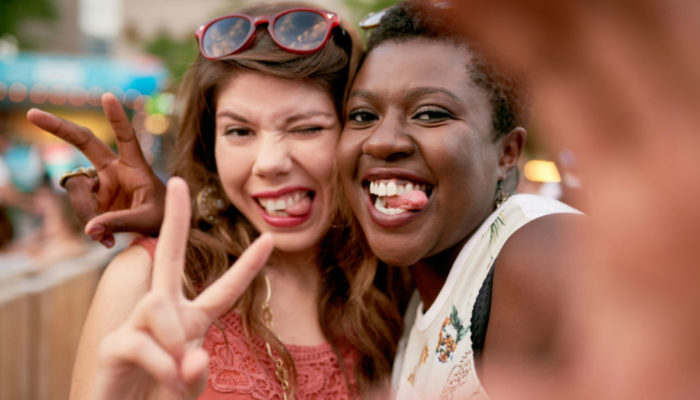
(156, 353)
(126, 196)
(617, 82)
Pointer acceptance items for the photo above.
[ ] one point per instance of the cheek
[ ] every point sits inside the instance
(232, 167)
(348, 151)
(318, 159)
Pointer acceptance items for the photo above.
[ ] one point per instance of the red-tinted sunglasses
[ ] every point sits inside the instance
(297, 30)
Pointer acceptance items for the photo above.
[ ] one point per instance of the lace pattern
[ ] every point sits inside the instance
(248, 373)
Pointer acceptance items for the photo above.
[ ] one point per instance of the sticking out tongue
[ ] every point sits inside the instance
(414, 200)
(301, 207)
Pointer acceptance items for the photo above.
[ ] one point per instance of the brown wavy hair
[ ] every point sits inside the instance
(354, 308)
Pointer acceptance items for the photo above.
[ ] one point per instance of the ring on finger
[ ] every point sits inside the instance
(90, 172)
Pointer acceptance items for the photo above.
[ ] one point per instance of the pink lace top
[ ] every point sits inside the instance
(242, 369)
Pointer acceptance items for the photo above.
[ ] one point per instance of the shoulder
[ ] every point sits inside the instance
(529, 285)
(128, 275)
(125, 280)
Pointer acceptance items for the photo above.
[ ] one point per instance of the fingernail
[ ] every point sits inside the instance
(108, 242)
(96, 230)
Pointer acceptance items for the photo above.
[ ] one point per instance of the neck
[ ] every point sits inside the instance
(430, 274)
(295, 285)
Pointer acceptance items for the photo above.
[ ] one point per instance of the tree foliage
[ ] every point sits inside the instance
(13, 13)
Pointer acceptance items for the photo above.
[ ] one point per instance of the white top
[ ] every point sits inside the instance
(435, 358)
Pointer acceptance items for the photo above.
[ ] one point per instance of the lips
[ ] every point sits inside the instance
(395, 197)
(287, 207)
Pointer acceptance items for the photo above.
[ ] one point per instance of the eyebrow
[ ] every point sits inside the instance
(412, 93)
(230, 114)
(290, 119)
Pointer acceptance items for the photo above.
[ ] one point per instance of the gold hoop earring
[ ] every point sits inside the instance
(210, 203)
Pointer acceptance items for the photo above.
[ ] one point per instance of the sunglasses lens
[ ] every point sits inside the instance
(225, 36)
(301, 30)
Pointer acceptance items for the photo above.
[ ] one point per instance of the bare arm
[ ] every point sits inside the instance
(530, 284)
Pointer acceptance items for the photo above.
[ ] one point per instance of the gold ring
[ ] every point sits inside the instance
(90, 172)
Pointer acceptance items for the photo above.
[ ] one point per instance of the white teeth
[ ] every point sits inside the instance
(274, 206)
(384, 188)
(391, 189)
(380, 205)
(381, 190)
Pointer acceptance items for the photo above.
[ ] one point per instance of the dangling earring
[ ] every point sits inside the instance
(210, 203)
(501, 195)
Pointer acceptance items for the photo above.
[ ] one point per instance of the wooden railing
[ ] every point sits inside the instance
(41, 316)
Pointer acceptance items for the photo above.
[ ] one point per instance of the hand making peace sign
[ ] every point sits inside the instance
(126, 196)
(156, 353)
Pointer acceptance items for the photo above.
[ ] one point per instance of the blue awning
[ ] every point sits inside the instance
(64, 74)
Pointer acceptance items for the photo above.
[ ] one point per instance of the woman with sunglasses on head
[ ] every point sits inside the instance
(257, 148)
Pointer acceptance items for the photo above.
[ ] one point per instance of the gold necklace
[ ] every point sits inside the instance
(280, 372)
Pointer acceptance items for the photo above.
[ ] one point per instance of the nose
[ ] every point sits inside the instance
(273, 157)
(389, 140)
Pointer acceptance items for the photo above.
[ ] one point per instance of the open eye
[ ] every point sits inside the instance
(362, 116)
(432, 114)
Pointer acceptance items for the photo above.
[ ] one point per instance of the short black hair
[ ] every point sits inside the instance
(410, 20)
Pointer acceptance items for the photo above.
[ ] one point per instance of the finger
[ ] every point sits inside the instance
(82, 138)
(194, 369)
(137, 348)
(158, 315)
(170, 250)
(127, 143)
(108, 240)
(80, 189)
(222, 294)
(144, 219)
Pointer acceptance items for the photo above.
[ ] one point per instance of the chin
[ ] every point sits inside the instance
(294, 243)
(396, 256)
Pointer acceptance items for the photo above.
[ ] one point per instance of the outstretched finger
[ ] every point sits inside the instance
(99, 154)
(169, 258)
(127, 144)
(222, 294)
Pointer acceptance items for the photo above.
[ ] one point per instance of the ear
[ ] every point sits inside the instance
(511, 146)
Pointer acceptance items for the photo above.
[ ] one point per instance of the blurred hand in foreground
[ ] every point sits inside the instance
(617, 83)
